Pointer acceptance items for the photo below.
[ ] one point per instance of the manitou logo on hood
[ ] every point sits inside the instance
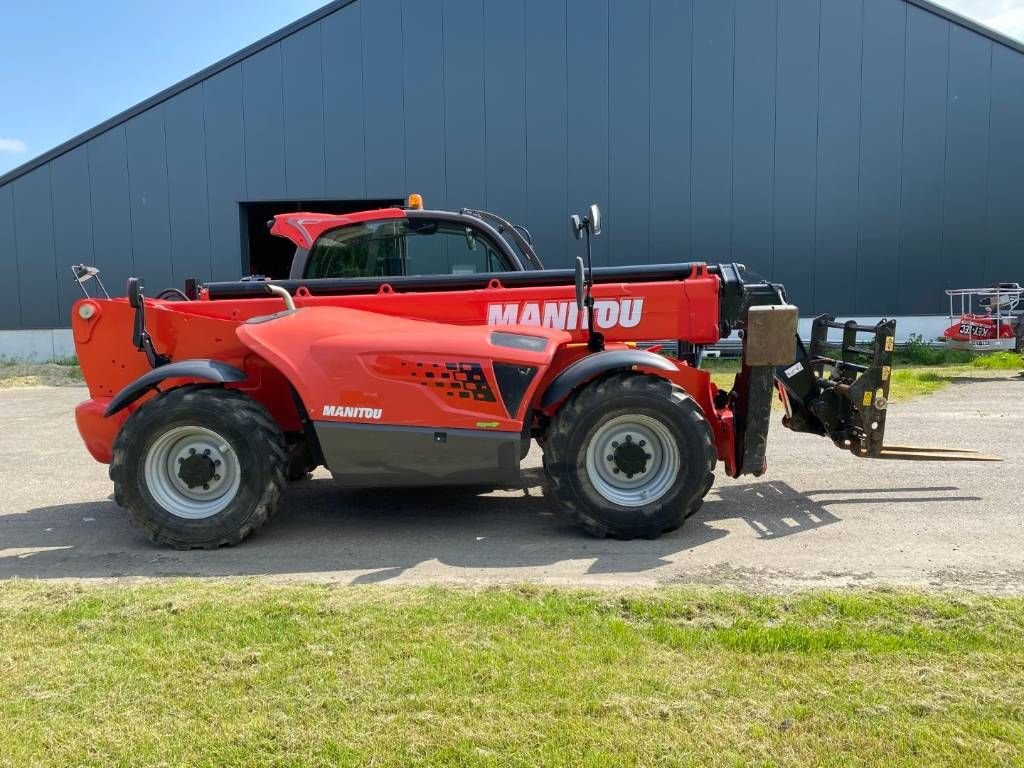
(352, 412)
(564, 315)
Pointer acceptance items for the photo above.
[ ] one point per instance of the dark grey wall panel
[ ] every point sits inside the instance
(345, 150)
(464, 114)
(753, 134)
(881, 142)
(188, 204)
(505, 107)
(111, 209)
(423, 88)
(10, 306)
(546, 130)
(72, 223)
(1004, 259)
(711, 179)
(382, 98)
(796, 138)
(671, 60)
(303, 90)
(865, 152)
(37, 267)
(263, 108)
(835, 247)
(147, 183)
(225, 167)
(919, 274)
(587, 60)
(967, 149)
(629, 130)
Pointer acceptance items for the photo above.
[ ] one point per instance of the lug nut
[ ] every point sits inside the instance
(206, 452)
(216, 463)
(615, 443)
(629, 475)
(642, 443)
(216, 477)
(191, 451)
(647, 456)
(181, 460)
(629, 438)
(643, 470)
(616, 470)
(609, 457)
(206, 487)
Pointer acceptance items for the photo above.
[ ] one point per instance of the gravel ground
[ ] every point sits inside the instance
(820, 517)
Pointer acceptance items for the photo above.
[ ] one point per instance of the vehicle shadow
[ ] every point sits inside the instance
(376, 536)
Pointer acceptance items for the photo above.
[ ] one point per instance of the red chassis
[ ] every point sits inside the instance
(366, 358)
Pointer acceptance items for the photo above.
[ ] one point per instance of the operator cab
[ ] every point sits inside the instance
(401, 242)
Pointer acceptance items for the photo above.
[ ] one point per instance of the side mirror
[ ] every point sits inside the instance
(134, 292)
(577, 226)
(595, 220)
(579, 282)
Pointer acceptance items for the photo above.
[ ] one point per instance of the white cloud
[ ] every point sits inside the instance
(1006, 16)
(17, 146)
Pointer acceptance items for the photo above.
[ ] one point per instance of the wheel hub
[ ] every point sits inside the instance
(192, 472)
(630, 458)
(198, 469)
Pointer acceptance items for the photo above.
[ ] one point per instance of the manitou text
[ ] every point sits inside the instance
(564, 315)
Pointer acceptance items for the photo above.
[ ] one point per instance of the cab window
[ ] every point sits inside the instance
(404, 247)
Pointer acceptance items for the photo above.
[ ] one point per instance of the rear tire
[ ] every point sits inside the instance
(199, 467)
(630, 455)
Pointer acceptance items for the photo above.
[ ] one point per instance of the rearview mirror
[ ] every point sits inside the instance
(470, 239)
(595, 219)
(577, 226)
(579, 282)
(134, 292)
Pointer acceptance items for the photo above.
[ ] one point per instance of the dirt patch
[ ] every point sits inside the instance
(17, 375)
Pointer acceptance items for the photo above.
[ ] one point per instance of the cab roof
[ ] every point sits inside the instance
(304, 228)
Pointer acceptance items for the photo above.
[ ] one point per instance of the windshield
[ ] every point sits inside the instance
(391, 248)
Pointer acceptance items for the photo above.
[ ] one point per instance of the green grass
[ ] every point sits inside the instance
(241, 673)
(1002, 361)
(909, 379)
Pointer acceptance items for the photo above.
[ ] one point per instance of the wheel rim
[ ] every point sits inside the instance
(192, 472)
(632, 460)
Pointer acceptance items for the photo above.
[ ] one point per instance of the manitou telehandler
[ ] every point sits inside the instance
(415, 347)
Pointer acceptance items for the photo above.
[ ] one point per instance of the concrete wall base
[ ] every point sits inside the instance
(37, 346)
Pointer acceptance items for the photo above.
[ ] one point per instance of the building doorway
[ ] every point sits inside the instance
(270, 256)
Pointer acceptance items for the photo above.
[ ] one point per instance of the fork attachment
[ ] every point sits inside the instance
(841, 391)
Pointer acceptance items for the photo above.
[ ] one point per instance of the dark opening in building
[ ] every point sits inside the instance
(271, 256)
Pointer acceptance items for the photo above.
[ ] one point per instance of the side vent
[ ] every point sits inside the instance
(513, 381)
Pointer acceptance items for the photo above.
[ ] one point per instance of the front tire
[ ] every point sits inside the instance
(199, 467)
(630, 455)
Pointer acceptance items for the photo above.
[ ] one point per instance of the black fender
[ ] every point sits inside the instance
(592, 366)
(208, 370)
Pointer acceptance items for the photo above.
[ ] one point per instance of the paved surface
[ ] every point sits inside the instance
(819, 517)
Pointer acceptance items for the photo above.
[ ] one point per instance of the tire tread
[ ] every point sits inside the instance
(590, 397)
(250, 414)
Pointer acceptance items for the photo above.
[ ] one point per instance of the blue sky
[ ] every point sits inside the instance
(67, 65)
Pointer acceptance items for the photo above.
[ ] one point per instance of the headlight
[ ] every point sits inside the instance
(519, 341)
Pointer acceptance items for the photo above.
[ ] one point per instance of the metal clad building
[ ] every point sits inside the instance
(867, 153)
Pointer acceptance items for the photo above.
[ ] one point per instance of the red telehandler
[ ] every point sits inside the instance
(393, 357)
